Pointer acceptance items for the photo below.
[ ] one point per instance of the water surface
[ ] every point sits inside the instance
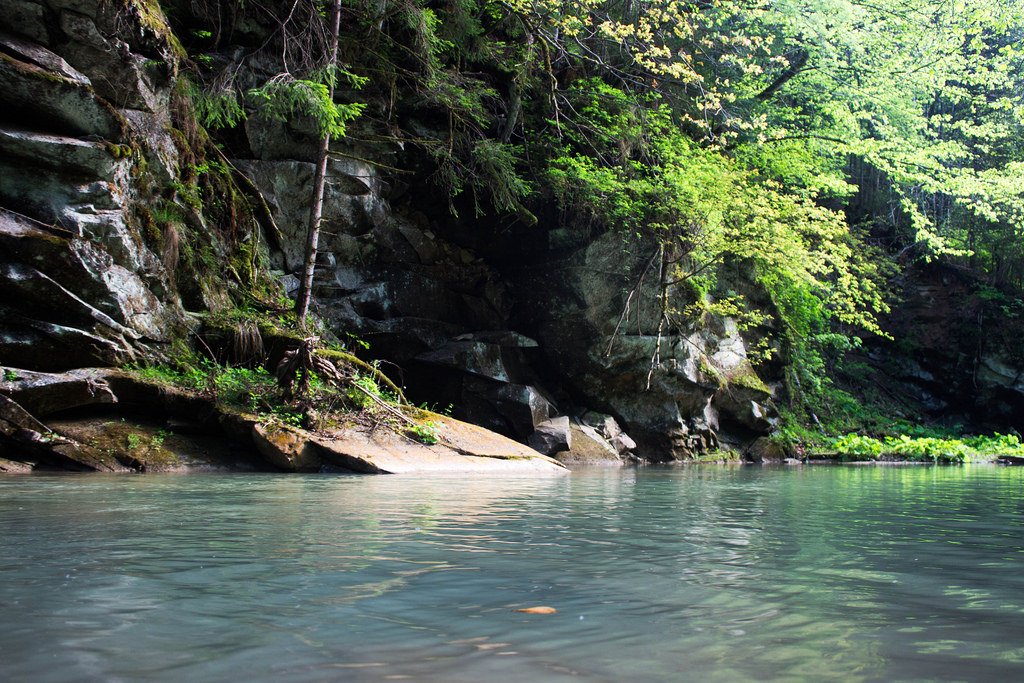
(709, 574)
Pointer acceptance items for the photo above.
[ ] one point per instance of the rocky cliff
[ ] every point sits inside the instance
(955, 354)
(122, 226)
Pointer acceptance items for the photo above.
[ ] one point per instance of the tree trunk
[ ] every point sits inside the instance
(317, 209)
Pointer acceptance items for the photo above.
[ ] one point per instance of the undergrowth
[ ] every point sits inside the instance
(346, 391)
(923, 448)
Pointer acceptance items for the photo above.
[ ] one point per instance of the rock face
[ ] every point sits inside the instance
(519, 328)
(958, 358)
(598, 326)
(83, 126)
(438, 307)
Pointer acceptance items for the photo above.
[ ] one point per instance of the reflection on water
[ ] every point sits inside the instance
(717, 574)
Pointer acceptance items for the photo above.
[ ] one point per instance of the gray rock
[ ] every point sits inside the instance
(478, 358)
(116, 73)
(290, 283)
(26, 18)
(287, 186)
(46, 393)
(552, 436)
(501, 338)
(765, 449)
(604, 348)
(426, 249)
(69, 105)
(33, 53)
(14, 418)
(84, 309)
(995, 371)
(513, 409)
(622, 443)
(588, 447)
(609, 430)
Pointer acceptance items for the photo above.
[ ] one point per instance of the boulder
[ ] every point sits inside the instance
(609, 429)
(622, 443)
(588, 447)
(286, 448)
(45, 393)
(460, 448)
(507, 408)
(552, 436)
(765, 450)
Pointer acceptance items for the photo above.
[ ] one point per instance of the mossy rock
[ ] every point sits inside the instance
(286, 448)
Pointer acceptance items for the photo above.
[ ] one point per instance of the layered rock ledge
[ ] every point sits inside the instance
(106, 420)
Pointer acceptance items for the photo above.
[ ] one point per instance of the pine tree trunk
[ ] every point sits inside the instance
(317, 208)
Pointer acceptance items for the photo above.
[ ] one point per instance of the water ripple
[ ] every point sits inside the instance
(723, 574)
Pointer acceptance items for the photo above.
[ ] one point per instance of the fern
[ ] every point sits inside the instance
(284, 97)
(217, 108)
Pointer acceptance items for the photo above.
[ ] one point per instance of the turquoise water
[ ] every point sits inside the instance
(708, 574)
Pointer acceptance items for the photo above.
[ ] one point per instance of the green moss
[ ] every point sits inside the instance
(36, 72)
(745, 376)
(152, 17)
(118, 151)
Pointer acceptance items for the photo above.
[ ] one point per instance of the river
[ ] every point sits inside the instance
(657, 574)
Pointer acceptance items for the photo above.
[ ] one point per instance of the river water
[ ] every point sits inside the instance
(657, 574)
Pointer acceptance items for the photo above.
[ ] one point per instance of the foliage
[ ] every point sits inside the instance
(425, 432)
(284, 97)
(363, 391)
(308, 390)
(707, 209)
(926, 448)
(231, 385)
(796, 120)
(216, 108)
